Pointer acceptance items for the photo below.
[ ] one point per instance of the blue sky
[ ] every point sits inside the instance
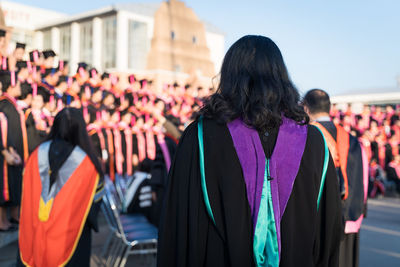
(337, 45)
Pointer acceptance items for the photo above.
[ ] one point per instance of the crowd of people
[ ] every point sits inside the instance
(131, 126)
(257, 180)
(378, 130)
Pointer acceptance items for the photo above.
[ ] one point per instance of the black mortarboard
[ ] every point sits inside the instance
(21, 65)
(20, 45)
(62, 79)
(2, 33)
(95, 89)
(82, 65)
(48, 53)
(49, 71)
(105, 75)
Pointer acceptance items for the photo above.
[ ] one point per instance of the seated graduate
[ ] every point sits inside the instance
(62, 187)
(252, 183)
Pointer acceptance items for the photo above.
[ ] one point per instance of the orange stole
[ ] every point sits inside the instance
(53, 242)
(339, 150)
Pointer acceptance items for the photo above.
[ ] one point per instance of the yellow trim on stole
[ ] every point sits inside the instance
(45, 209)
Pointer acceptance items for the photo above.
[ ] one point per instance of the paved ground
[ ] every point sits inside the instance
(380, 234)
(380, 239)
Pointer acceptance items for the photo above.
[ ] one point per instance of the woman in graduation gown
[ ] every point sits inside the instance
(61, 196)
(252, 184)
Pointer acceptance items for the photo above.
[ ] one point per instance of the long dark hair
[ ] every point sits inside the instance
(69, 126)
(255, 85)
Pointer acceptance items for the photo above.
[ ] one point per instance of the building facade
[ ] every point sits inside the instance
(165, 42)
(23, 21)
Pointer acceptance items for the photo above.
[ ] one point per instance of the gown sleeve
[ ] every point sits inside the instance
(329, 221)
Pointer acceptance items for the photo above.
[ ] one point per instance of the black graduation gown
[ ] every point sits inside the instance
(35, 136)
(2, 200)
(94, 138)
(135, 150)
(188, 237)
(111, 149)
(15, 140)
(123, 148)
(159, 175)
(354, 205)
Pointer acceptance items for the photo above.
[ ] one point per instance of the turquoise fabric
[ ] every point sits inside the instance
(265, 243)
(202, 170)
(325, 168)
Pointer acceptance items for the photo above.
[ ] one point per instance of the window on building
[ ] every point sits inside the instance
(65, 43)
(109, 46)
(86, 42)
(194, 39)
(177, 68)
(139, 44)
(172, 35)
(46, 39)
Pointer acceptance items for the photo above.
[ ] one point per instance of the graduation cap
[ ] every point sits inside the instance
(49, 71)
(82, 65)
(2, 33)
(48, 53)
(95, 89)
(62, 79)
(21, 65)
(105, 75)
(20, 45)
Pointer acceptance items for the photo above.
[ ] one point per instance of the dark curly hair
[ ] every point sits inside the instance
(255, 85)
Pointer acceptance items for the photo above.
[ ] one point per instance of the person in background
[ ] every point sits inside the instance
(8, 156)
(49, 56)
(19, 51)
(352, 172)
(393, 171)
(16, 138)
(63, 182)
